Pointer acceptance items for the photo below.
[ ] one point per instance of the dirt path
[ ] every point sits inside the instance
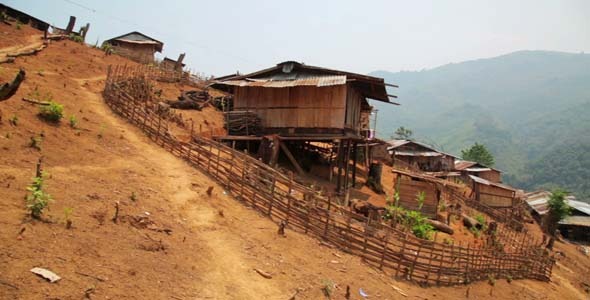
(228, 273)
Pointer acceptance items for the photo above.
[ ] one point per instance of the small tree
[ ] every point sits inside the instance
(403, 133)
(558, 209)
(478, 153)
(38, 200)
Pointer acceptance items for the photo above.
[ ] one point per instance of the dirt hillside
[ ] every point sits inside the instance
(171, 240)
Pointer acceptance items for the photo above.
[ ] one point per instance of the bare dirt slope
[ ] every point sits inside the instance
(213, 243)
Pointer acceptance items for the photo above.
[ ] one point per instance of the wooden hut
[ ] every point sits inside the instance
(24, 17)
(409, 186)
(418, 156)
(467, 168)
(136, 46)
(290, 104)
(493, 194)
(294, 99)
(575, 226)
(173, 65)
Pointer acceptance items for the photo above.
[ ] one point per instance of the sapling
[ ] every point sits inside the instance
(38, 200)
(67, 217)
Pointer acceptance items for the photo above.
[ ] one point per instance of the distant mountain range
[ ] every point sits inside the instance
(530, 108)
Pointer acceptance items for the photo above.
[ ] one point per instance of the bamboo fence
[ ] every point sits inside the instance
(387, 246)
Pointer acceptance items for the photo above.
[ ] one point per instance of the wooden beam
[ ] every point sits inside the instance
(274, 156)
(339, 165)
(292, 159)
(354, 155)
(391, 85)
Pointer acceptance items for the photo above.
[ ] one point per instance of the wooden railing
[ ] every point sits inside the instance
(388, 246)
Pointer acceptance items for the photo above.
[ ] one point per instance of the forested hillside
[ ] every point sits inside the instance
(530, 108)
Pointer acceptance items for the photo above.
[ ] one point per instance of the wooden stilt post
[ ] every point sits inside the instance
(354, 157)
(339, 163)
(347, 168)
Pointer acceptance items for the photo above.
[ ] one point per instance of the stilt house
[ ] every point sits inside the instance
(136, 46)
(291, 105)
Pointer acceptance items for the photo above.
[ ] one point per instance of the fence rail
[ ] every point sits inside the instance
(387, 246)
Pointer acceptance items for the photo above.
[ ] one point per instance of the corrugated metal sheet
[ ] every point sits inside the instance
(539, 202)
(289, 80)
(396, 143)
(139, 42)
(487, 182)
(579, 205)
(576, 220)
(463, 164)
(477, 169)
(418, 153)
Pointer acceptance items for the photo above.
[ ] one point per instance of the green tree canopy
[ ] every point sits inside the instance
(558, 209)
(478, 153)
(403, 133)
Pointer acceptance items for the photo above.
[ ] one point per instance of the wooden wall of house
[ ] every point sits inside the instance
(408, 190)
(493, 176)
(353, 109)
(294, 107)
(426, 163)
(141, 53)
(494, 196)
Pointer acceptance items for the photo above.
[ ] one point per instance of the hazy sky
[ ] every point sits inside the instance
(221, 37)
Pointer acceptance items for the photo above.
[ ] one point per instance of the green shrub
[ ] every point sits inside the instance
(36, 142)
(73, 121)
(52, 112)
(480, 219)
(76, 38)
(328, 287)
(19, 25)
(68, 217)
(13, 120)
(38, 200)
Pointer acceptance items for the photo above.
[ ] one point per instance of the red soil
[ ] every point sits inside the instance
(215, 243)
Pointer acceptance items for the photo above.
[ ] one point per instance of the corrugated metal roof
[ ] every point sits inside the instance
(463, 164)
(579, 205)
(289, 80)
(487, 182)
(369, 86)
(539, 202)
(478, 169)
(137, 37)
(576, 220)
(418, 153)
(396, 143)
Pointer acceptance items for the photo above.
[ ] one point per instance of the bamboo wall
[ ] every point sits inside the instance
(408, 190)
(294, 107)
(384, 245)
(494, 196)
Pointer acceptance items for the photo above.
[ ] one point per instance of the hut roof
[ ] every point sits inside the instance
(539, 202)
(23, 16)
(472, 166)
(291, 73)
(136, 37)
(427, 150)
(171, 61)
(489, 183)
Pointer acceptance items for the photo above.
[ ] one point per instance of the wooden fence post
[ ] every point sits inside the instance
(272, 197)
(328, 216)
(401, 254)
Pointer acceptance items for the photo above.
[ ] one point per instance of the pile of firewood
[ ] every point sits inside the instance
(242, 122)
(191, 100)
